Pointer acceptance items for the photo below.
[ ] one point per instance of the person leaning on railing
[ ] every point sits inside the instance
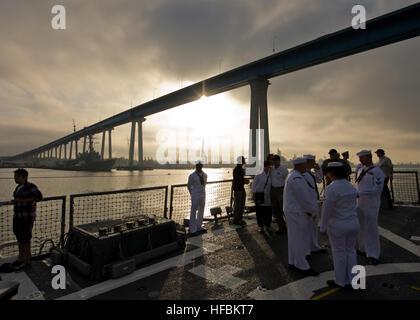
(25, 197)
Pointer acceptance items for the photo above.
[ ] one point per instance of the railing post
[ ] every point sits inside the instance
(391, 180)
(63, 220)
(418, 190)
(165, 209)
(71, 211)
(171, 208)
(231, 195)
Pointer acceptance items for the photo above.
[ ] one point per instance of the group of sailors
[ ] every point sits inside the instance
(349, 214)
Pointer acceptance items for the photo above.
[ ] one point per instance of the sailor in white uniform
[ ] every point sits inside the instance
(197, 188)
(339, 218)
(312, 180)
(298, 207)
(369, 184)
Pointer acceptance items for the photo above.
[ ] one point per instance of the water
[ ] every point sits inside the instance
(59, 183)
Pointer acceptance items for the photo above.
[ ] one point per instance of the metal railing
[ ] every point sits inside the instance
(218, 194)
(53, 221)
(404, 187)
(90, 207)
(48, 230)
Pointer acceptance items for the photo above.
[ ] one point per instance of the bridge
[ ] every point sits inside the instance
(390, 28)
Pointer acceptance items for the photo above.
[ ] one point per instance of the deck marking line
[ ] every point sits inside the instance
(403, 243)
(415, 238)
(325, 294)
(415, 288)
(108, 285)
(303, 289)
(27, 289)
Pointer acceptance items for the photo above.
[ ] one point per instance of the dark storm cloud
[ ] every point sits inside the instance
(117, 53)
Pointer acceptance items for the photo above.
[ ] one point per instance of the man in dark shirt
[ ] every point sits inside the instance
(239, 194)
(334, 157)
(346, 163)
(25, 197)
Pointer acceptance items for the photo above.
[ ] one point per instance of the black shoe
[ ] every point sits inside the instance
(268, 229)
(192, 234)
(309, 272)
(292, 267)
(19, 267)
(203, 230)
(261, 230)
(361, 253)
(374, 261)
(332, 283)
(308, 257)
(281, 231)
(319, 251)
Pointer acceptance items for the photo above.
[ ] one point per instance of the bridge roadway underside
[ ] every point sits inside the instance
(240, 263)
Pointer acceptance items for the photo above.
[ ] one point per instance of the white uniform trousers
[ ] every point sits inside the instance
(313, 243)
(368, 239)
(298, 237)
(342, 235)
(198, 202)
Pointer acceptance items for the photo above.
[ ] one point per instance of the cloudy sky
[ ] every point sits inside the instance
(118, 54)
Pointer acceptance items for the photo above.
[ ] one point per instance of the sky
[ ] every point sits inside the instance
(117, 54)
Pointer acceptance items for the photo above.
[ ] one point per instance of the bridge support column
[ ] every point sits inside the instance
(76, 142)
(65, 151)
(259, 120)
(103, 144)
(71, 149)
(84, 144)
(109, 144)
(132, 141)
(140, 140)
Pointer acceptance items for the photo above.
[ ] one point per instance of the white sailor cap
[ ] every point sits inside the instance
(299, 160)
(335, 164)
(364, 153)
(239, 159)
(309, 156)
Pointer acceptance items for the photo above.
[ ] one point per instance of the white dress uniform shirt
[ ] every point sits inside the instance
(339, 203)
(298, 195)
(385, 164)
(369, 188)
(259, 185)
(278, 176)
(312, 180)
(194, 184)
(371, 185)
